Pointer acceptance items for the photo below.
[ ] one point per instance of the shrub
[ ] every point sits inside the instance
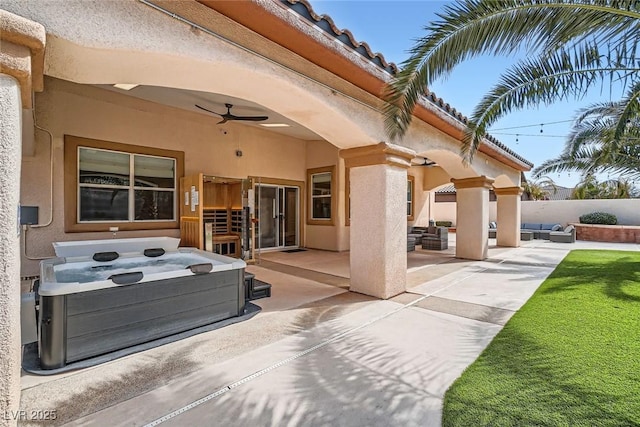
(443, 223)
(599, 218)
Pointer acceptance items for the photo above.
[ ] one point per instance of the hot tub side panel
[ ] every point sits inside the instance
(105, 320)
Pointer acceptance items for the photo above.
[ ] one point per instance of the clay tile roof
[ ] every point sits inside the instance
(447, 189)
(325, 23)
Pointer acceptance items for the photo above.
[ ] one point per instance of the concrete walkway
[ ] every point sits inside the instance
(321, 356)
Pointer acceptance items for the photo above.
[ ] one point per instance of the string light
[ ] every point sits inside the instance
(531, 126)
(528, 134)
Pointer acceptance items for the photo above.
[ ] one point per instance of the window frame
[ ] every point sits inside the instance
(411, 185)
(333, 195)
(72, 144)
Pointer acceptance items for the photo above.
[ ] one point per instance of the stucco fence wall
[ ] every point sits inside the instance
(562, 211)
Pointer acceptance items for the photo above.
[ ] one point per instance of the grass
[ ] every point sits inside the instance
(569, 357)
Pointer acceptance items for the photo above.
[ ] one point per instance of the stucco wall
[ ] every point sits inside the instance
(68, 108)
(563, 211)
(446, 211)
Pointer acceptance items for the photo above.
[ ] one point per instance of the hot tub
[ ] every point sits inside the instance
(129, 292)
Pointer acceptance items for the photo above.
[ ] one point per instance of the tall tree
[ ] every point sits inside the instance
(570, 45)
(605, 138)
(540, 189)
(591, 188)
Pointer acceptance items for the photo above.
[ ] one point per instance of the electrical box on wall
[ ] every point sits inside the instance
(28, 215)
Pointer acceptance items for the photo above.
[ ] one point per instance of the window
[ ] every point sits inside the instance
(321, 209)
(321, 195)
(410, 193)
(115, 186)
(121, 185)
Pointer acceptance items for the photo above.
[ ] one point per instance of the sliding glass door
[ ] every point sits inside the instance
(277, 209)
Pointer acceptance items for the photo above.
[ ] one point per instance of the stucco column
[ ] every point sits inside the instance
(10, 157)
(508, 216)
(472, 217)
(378, 236)
(21, 65)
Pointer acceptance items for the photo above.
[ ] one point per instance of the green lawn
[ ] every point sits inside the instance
(569, 357)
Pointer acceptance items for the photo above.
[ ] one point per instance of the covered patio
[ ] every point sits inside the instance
(108, 138)
(317, 353)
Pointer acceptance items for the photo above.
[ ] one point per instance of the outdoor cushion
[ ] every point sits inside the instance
(569, 229)
(552, 227)
(530, 226)
(493, 224)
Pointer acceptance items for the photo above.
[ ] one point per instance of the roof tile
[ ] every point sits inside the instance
(325, 22)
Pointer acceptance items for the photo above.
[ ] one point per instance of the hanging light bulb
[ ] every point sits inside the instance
(541, 124)
(517, 135)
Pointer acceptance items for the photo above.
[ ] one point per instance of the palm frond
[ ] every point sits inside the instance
(532, 82)
(607, 28)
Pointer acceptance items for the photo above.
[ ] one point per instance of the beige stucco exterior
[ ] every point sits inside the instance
(22, 45)
(10, 355)
(472, 218)
(91, 112)
(94, 44)
(134, 43)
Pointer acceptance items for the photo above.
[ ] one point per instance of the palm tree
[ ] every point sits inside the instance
(591, 188)
(539, 189)
(571, 45)
(605, 138)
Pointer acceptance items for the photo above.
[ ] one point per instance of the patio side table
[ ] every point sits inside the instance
(526, 235)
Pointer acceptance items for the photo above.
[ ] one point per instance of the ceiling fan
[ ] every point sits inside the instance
(227, 117)
(423, 161)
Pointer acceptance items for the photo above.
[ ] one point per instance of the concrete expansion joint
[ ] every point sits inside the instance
(335, 338)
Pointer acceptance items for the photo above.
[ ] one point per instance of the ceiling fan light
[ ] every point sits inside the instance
(275, 125)
(125, 86)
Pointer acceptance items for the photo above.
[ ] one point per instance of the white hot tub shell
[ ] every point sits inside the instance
(95, 302)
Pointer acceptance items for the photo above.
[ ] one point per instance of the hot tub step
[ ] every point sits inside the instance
(255, 289)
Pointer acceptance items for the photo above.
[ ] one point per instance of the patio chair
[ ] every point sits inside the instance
(436, 238)
(566, 236)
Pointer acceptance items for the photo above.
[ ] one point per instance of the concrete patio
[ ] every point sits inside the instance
(317, 354)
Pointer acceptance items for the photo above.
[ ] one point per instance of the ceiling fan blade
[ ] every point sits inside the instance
(209, 111)
(228, 116)
(249, 118)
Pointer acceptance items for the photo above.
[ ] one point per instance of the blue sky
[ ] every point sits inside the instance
(390, 27)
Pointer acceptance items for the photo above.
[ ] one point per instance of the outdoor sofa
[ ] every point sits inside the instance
(538, 230)
(568, 235)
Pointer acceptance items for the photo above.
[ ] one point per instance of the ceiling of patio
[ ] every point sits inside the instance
(187, 100)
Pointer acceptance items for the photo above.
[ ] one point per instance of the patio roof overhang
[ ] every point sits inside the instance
(279, 24)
